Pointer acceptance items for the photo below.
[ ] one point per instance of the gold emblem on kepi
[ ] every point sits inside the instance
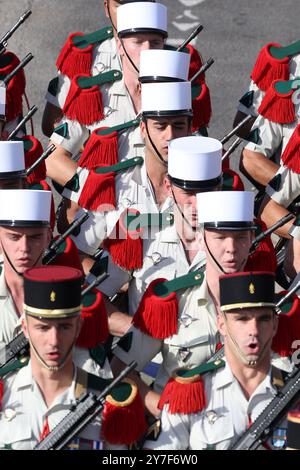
(53, 296)
(251, 288)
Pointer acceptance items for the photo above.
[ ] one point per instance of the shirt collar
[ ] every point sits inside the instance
(4, 292)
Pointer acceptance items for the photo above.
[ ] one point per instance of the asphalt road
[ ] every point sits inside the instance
(234, 31)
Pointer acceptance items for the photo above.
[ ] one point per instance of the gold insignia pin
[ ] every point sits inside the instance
(53, 296)
(251, 288)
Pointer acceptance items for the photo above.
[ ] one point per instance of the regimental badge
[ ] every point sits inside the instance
(53, 296)
(251, 288)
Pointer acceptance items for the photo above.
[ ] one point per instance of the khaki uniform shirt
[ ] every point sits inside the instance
(24, 413)
(227, 415)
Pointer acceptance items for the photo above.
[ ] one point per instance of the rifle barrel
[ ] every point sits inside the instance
(232, 148)
(43, 157)
(203, 69)
(25, 119)
(191, 37)
(235, 129)
(8, 35)
(21, 65)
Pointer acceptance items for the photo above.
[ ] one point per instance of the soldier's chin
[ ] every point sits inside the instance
(253, 359)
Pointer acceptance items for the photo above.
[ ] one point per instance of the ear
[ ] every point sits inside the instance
(24, 326)
(106, 9)
(143, 129)
(221, 324)
(168, 186)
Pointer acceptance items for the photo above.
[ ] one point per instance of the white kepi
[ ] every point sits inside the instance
(163, 65)
(12, 160)
(165, 99)
(226, 210)
(195, 163)
(142, 17)
(25, 208)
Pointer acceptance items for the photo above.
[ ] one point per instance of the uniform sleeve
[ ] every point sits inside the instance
(175, 433)
(284, 188)
(256, 99)
(270, 137)
(136, 346)
(58, 90)
(74, 138)
(92, 232)
(295, 232)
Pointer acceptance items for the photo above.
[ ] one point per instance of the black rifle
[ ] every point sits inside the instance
(232, 148)
(43, 157)
(20, 66)
(203, 69)
(8, 35)
(271, 416)
(191, 37)
(87, 408)
(52, 251)
(220, 353)
(22, 123)
(270, 230)
(235, 129)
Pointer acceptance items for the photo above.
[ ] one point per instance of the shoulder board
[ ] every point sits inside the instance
(188, 375)
(120, 167)
(164, 288)
(16, 365)
(100, 79)
(160, 220)
(119, 128)
(98, 36)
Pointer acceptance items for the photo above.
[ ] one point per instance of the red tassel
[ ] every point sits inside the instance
(264, 257)
(69, 257)
(94, 329)
(72, 60)
(98, 192)
(123, 422)
(125, 246)
(196, 63)
(31, 156)
(288, 329)
(157, 316)
(291, 155)
(236, 184)
(183, 397)
(84, 104)
(278, 107)
(100, 150)
(267, 68)
(44, 186)
(1, 393)
(202, 109)
(15, 88)
(45, 431)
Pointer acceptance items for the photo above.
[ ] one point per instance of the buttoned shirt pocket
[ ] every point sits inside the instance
(214, 430)
(15, 431)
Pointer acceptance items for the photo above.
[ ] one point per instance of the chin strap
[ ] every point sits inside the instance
(129, 58)
(12, 266)
(154, 146)
(109, 14)
(218, 266)
(238, 351)
(39, 358)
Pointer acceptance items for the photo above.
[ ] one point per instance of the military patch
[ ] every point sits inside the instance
(275, 182)
(62, 130)
(279, 438)
(84, 444)
(247, 99)
(53, 86)
(126, 342)
(253, 136)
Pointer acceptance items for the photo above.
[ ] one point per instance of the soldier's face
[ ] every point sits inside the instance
(162, 130)
(229, 248)
(52, 339)
(186, 202)
(252, 329)
(136, 43)
(23, 246)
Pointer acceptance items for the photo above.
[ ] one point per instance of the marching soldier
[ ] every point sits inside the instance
(111, 98)
(39, 396)
(188, 335)
(228, 395)
(99, 54)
